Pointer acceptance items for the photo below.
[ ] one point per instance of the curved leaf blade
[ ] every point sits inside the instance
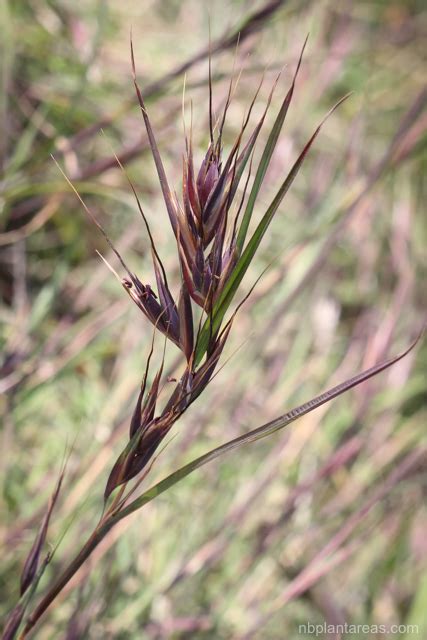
(262, 431)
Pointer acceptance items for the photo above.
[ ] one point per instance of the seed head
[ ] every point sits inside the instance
(213, 259)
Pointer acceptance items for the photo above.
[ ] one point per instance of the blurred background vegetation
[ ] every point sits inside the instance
(326, 521)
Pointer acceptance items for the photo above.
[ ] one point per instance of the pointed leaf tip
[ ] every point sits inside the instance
(267, 155)
(32, 562)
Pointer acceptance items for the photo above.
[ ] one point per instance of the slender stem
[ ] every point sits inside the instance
(96, 537)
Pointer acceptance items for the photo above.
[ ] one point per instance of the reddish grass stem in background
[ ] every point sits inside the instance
(210, 225)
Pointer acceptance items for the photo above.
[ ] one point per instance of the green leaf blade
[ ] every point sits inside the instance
(263, 431)
(266, 157)
(251, 248)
